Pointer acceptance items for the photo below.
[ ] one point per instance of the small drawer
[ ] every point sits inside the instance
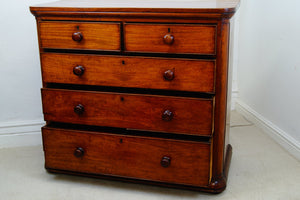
(142, 112)
(80, 35)
(171, 38)
(144, 158)
(136, 72)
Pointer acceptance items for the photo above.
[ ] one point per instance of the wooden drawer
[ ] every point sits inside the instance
(144, 112)
(80, 35)
(138, 72)
(170, 38)
(156, 159)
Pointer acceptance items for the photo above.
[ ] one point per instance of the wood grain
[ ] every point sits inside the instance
(188, 39)
(144, 112)
(221, 103)
(193, 29)
(96, 36)
(137, 72)
(127, 156)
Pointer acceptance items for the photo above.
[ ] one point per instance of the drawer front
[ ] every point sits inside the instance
(169, 38)
(138, 72)
(143, 112)
(163, 160)
(80, 35)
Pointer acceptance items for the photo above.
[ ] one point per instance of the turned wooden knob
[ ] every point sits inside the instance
(78, 70)
(169, 75)
(167, 115)
(165, 161)
(77, 36)
(79, 109)
(168, 39)
(79, 152)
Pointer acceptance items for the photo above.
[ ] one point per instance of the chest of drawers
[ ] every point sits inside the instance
(137, 90)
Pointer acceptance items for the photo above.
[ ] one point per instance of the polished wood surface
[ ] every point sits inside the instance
(159, 61)
(221, 104)
(175, 161)
(78, 70)
(207, 6)
(138, 72)
(77, 36)
(170, 38)
(80, 35)
(144, 112)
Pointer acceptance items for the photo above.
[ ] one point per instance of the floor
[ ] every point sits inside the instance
(260, 169)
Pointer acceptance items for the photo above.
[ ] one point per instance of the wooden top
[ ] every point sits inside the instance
(168, 6)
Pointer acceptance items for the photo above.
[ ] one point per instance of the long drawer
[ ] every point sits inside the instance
(80, 35)
(170, 38)
(137, 72)
(156, 159)
(143, 112)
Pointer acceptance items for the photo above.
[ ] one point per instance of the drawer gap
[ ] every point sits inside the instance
(131, 90)
(122, 131)
(101, 52)
(174, 23)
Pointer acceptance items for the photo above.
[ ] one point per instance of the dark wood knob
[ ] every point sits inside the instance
(79, 109)
(79, 152)
(168, 39)
(165, 161)
(169, 75)
(167, 115)
(78, 70)
(77, 36)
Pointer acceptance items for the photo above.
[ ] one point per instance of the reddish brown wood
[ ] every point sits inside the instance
(187, 38)
(221, 103)
(168, 39)
(196, 30)
(227, 162)
(165, 161)
(79, 152)
(94, 36)
(137, 181)
(137, 157)
(169, 75)
(139, 72)
(144, 112)
(79, 109)
(77, 36)
(78, 70)
(208, 9)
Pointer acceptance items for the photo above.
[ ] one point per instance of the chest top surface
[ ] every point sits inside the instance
(193, 6)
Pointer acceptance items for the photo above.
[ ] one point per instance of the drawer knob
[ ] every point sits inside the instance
(77, 36)
(79, 152)
(168, 39)
(167, 115)
(78, 70)
(169, 75)
(79, 109)
(165, 161)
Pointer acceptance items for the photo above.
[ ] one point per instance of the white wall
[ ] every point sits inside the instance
(20, 80)
(269, 63)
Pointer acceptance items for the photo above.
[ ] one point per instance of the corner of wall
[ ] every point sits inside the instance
(284, 139)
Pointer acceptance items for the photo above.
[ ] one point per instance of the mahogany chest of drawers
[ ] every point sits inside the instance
(137, 90)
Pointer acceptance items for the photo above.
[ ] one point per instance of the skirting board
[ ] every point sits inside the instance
(280, 136)
(234, 97)
(16, 134)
